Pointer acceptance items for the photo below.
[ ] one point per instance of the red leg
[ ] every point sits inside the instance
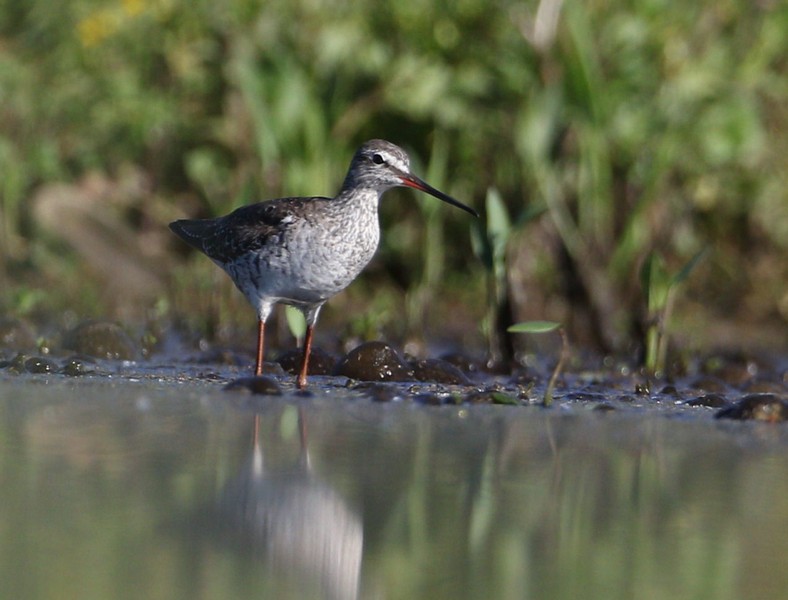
(258, 367)
(301, 382)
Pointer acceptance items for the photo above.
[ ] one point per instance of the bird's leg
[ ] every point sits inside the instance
(311, 318)
(301, 383)
(258, 367)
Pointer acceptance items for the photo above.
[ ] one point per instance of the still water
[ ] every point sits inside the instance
(144, 490)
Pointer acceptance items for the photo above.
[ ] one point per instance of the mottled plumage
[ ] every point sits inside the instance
(303, 251)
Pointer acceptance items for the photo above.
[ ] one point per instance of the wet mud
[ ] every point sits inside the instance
(738, 388)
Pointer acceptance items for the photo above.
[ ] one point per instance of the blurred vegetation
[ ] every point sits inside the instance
(609, 130)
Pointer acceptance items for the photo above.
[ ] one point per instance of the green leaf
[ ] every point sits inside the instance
(685, 271)
(534, 327)
(655, 281)
(645, 272)
(502, 398)
(295, 321)
(481, 245)
(498, 224)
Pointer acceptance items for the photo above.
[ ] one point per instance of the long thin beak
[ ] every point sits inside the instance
(414, 182)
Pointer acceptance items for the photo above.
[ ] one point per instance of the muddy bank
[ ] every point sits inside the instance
(722, 387)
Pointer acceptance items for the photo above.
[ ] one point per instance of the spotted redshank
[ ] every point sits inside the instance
(303, 251)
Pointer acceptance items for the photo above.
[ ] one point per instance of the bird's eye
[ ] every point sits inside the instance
(377, 159)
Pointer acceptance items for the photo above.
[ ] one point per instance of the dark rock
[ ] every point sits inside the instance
(75, 367)
(434, 370)
(101, 339)
(709, 400)
(260, 385)
(37, 364)
(758, 407)
(320, 362)
(374, 361)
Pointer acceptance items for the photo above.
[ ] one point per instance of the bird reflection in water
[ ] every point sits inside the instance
(297, 525)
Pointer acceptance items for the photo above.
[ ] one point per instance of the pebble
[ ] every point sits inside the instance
(374, 361)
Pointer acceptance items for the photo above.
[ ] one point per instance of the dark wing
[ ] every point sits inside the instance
(246, 229)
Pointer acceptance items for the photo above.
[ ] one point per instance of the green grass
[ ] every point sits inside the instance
(632, 128)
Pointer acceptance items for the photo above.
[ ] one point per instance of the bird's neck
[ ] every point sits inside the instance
(359, 198)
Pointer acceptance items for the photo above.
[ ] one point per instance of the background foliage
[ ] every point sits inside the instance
(611, 131)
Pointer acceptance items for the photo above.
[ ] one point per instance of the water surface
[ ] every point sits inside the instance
(123, 489)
